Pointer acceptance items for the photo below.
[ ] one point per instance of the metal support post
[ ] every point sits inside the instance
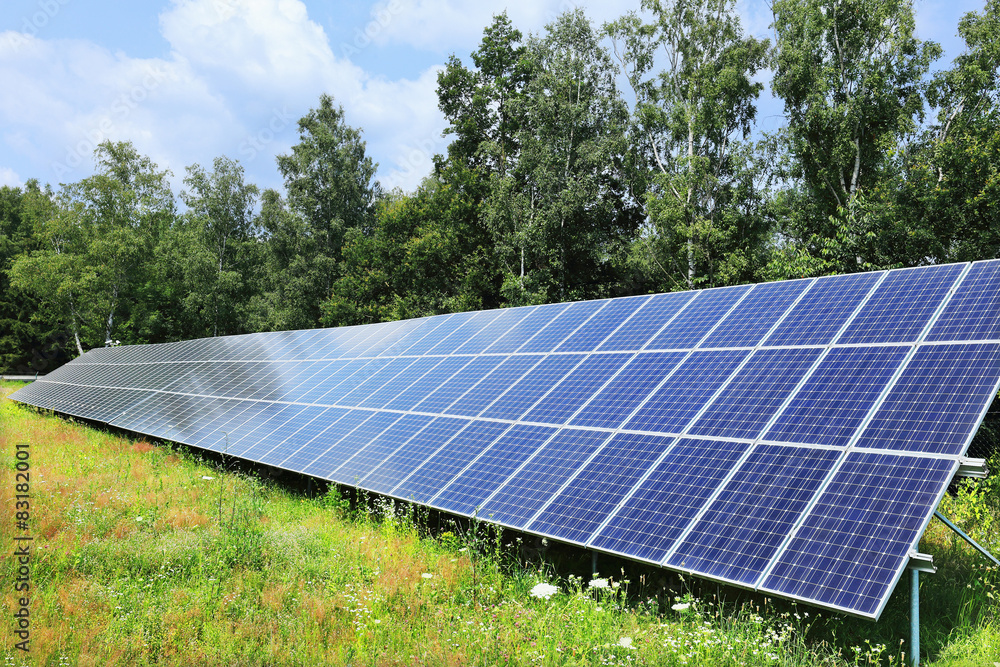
(915, 617)
(593, 564)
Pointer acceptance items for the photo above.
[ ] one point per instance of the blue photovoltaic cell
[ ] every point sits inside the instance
(938, 401)
(425, 327)
(578, 385)
(756, 393)
(307, 453)
(343, 449)
(400, 383)
(217, 420)
(335, 394)
(687, 391)
(488, 334)
(219, 439)
(472, 323)
(823, 310)
(756, 315)
(375, 380)
(705, 428)
(368, 336)
(703, 313)
(233, 440)
(901, 305)
(973, 312)
(375, 451)
(447, 327)
(601, 325)
(526, 328)
(497, 382)
(743, 527)
(325, 383)
(255, 450)
(855, 542)
(467, 491)
(525, 493)
(627, 390)
(304, 437)
(837, 396)
(655, 515)
(448, 461)
(300, 384)
(180, 415)
(281, 374)
(521, 396)
(564, 324)
(406, 459)
(456, 386)
(259, 429)
(594, 493)
(392, 338)
(428, 382)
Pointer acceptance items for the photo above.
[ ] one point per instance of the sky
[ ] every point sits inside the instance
(187, 81)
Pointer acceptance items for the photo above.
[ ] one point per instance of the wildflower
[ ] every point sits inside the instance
(544, 591)
(206, 477)
(681, 606)
(599, 583)
(427, 575)
(626, 642)
(138, 518)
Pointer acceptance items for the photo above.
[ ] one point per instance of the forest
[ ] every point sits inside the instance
(583, 162)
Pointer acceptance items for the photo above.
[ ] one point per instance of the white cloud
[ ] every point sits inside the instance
(405, 118)
(10, 177)
(239, 75)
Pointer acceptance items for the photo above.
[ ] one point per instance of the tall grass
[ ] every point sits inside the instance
(146, 555)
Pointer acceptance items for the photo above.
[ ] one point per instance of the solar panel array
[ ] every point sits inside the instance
(791, 437)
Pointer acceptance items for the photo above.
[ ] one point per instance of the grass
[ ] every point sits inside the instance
(144, 555)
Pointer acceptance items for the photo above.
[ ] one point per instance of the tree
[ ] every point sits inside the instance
(560, 215)
(330, 184)
(32, 336)
(851, 74)
(223, 243)
(96, 244)
(689, 118)
(290, 268)
(480, 104)
(426, 256)
(951, 193)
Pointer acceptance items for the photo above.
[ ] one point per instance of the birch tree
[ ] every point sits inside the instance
(691, 71)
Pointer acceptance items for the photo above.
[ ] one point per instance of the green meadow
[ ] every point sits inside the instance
(143, 553)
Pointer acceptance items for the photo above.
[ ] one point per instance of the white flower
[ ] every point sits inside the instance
(626, 642)
(681, 606)
(544, 591)
(427, 575)
(206, 477)
(599, 583)
(138, 518)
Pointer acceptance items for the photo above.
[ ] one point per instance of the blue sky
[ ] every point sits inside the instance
(189, 80)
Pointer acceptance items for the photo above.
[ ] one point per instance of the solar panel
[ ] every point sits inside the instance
(790, 437)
